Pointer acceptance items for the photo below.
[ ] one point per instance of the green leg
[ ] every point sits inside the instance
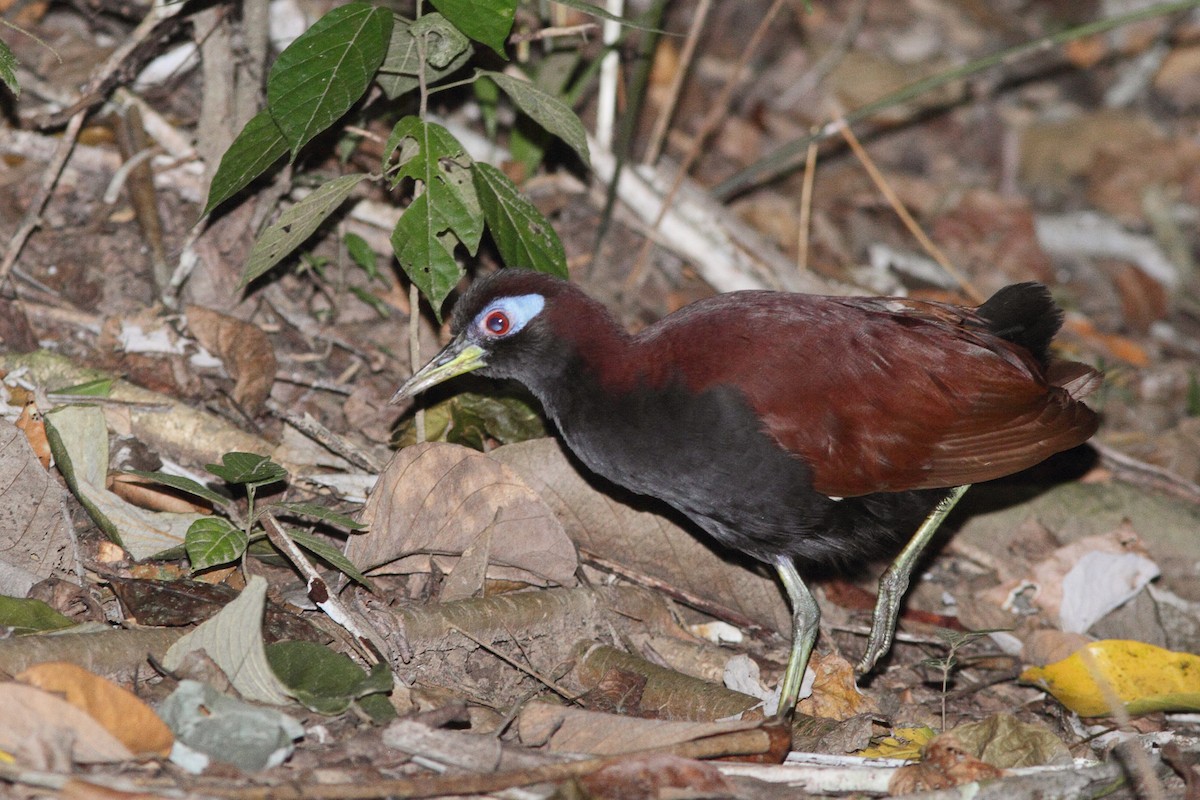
(806, 621)
(894, 583)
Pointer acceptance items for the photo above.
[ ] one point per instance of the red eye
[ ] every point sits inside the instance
(497, 323)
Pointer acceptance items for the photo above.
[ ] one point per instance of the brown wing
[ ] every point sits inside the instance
(882, 395)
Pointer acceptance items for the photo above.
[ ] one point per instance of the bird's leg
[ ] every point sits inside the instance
(806, 620)
(894, 583)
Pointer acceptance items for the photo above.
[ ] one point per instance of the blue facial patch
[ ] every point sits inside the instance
(505, 316)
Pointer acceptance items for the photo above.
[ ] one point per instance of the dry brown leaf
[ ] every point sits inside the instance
(42, 730)
(835, 692)
(119, 710)
(946, 764)
(438, 499)
(31, 424)
(577, 731)
(134, 489)
(244, 348)
(616, 528)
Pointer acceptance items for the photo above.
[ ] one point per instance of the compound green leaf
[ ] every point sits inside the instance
(250, 469)
(8, 70)
(213, 541)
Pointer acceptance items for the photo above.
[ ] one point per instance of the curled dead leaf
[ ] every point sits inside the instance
(946, 764)
(243, 347)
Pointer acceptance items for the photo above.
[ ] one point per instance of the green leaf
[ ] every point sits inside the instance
(213, 541)
(422, 254)
(322, 74)
(331, 556)
(256, 148)
(323, 680)
(101, 387)
(444, 47)
(250, 469)
(432, 156)
(523, 236)
(319, 513)
(597, 11)
(362, 255)
(297, 224)
(184, 485)
(547, 110)
(487, 21)
(8, 70)
(31, 616)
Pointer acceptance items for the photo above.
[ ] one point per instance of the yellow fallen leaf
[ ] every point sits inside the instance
(904, 743)
(119, 710)
(1143, 677)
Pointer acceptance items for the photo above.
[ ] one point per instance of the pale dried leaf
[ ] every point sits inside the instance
(577, 731)
(40, 729)
(438, 499)
(36, 542)
(233, 639)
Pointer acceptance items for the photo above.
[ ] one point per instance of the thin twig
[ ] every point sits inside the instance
(897, 205)
(319, 591)
(610, 76)
(553, 33)
(33, 214)
(659, 133)
(716, 115)
(806, 192)
(512, 662)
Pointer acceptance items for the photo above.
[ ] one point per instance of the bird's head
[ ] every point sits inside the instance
(504, 326)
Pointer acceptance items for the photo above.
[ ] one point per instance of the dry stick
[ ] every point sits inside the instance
(338, 445)
(49, 179)
(712, 121)
(806, 192)
(565, 694)
(319, 592)
(414, 296)
(898, 206)
(553, 33)
(659, 132)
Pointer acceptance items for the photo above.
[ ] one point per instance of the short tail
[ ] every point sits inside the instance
(1026, 315)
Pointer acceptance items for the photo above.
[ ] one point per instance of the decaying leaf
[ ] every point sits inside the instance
(443, 500)
(946, 764)
(243, 347)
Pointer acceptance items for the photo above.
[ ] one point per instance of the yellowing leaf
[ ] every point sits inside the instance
(119, 710)
(904, 743)
(1143, 677)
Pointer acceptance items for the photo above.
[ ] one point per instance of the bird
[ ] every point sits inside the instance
(802, 430)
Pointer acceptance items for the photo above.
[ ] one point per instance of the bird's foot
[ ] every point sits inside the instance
(892, 587)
